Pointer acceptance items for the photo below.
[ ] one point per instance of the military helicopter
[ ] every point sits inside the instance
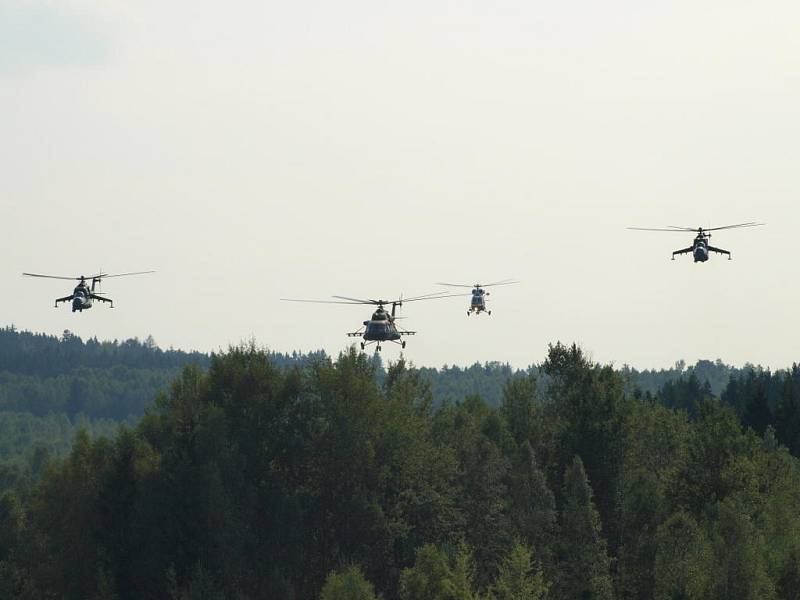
(83, 294)
(478, 303)
(381, 327)
(700, 247)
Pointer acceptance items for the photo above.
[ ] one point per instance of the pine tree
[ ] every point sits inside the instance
(757, 413)
(585, 564)
(532, 506)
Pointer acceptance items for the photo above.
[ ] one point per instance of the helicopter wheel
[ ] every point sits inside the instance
(378, 348)
(402, 344)
(362, 345)
(490, 313)
(469, 313)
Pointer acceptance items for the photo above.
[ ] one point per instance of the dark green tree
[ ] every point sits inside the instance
(584, 561)
(519, 577)
(348, 584)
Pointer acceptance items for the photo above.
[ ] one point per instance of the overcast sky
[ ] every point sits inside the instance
(250, 151)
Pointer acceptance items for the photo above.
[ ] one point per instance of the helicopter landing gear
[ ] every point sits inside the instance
(489, 313)
(378, 348)
(469, 312)
(403, 344)
(362, 345)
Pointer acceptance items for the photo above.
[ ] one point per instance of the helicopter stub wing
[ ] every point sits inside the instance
(684, 251)
(718, 250)
(65, 299)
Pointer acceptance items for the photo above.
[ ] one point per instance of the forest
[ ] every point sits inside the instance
(255, 475)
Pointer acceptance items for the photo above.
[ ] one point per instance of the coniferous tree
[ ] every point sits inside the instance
(519, 578)
(532, 506)
(347, 585)
(584, 562)
(757, 412)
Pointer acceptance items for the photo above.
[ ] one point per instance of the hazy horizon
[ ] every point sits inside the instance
(249, 152)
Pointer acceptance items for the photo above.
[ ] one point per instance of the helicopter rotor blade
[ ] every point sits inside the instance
(359, 300)
(435, 297)
(674, 230)
(320, 301)
(454, 284)
(104, 276)
(52, 276)
(503, 282)
(753, 224)
(431, 296)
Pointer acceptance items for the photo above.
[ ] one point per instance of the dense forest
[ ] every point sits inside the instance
(254, 475)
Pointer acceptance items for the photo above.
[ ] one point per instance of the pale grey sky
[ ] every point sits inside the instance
(254, 150)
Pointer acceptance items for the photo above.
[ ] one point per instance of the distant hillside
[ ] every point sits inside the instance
(43, 374)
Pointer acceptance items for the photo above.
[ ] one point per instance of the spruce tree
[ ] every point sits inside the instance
(585, 563)
(532, 506)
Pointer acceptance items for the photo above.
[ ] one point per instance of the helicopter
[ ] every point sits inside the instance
(700, 247)
(381, 327)
(83, 295)
(478, 303)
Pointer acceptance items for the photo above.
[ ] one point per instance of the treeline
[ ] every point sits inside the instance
(42, 374)
(247, 480)
(27, 353)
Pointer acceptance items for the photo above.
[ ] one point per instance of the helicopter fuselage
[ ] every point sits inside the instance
(477, 304)
(700, 250)
(81, 298)
(380, 328)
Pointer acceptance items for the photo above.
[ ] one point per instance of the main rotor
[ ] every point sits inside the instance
(700, 231)
(380, 303)
(479, 285)
(82, 278)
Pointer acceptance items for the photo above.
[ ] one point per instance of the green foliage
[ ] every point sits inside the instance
(429, 578)
(584, 561)
(249, 477)
(682, 561)
(347, 585)
(519, 578)
(439, 576)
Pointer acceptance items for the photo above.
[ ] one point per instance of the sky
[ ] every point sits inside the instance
(254, 150)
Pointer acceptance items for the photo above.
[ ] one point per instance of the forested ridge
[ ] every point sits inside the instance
(250, 477)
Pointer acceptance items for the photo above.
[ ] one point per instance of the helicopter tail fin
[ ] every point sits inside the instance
(396, 304)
